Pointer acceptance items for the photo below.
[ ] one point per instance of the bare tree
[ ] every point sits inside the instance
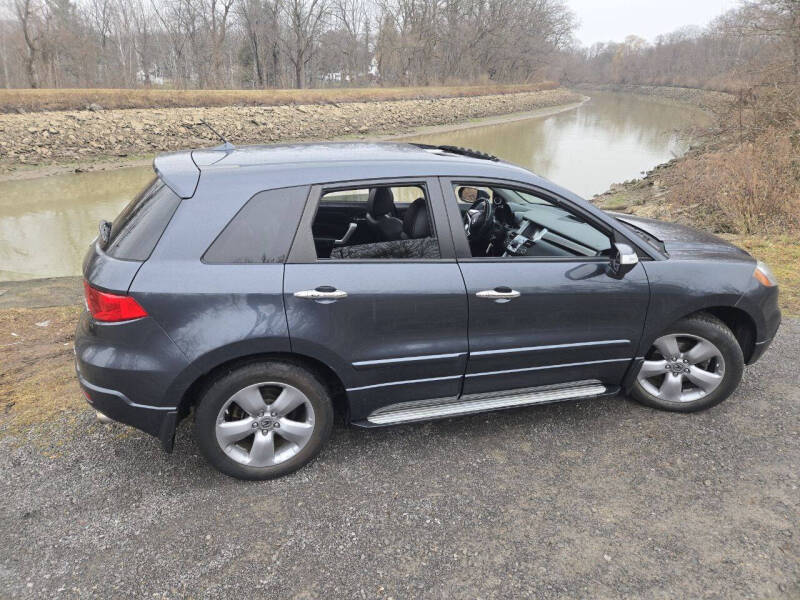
(305, 22)
(30, 16)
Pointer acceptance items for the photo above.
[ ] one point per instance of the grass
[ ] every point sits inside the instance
(37, 380)
(30, 100)
(782, 254)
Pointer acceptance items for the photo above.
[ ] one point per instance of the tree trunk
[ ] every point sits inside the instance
(299, 80)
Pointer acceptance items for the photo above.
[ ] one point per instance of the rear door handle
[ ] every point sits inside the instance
(499, 293)
(323, 292)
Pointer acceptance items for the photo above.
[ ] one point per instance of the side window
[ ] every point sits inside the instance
(136, 231)
(380, 222)
(262, 231)
(507, 223)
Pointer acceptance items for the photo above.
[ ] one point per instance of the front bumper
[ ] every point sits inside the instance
(758, 350)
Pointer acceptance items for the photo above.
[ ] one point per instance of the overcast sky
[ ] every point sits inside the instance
(612, 20)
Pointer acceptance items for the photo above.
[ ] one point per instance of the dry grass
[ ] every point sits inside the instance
(782, 254)
(37, 380)
(748, 181)
(749, 188)
(31, 100)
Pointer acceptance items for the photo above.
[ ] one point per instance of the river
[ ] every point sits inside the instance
(47, 223)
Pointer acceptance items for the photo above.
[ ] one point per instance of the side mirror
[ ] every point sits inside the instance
(624, 259)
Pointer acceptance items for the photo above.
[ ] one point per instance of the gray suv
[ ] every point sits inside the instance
(265, 289)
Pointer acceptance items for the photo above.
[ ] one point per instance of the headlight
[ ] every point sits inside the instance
(764, 275)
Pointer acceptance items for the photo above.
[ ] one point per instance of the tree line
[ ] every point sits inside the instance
(278, 43)
(756, 43)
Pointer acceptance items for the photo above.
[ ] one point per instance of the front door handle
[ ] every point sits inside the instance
(323, 292)
(351, 229)
(499, 293)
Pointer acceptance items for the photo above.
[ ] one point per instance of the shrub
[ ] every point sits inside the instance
(750, 187)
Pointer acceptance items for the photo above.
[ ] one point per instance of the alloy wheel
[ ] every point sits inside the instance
(681, 367)
(265, 424)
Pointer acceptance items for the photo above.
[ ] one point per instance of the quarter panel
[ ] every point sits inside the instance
(207, 307)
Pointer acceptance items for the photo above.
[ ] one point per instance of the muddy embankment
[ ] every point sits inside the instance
(75, 138)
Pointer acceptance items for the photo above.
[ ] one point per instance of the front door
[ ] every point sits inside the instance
(551, 312)
(388, 315)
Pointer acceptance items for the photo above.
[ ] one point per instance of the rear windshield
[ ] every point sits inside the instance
(135, 232)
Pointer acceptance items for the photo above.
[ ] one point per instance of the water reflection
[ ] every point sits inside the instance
(46, 224)
(610, 138)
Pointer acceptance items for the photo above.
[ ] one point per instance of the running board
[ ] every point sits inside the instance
(423, 410)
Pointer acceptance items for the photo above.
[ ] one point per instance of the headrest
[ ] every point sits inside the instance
(380, 202)
(415, 222)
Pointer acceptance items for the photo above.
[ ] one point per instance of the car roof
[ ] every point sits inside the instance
(325, 162)
(320, 152)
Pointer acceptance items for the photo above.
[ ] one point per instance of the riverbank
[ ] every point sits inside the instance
(40, 100)
(662, 192)
(708, 100)
(42, 143)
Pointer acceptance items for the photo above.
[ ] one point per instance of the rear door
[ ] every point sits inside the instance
(393, 328)
(567, 320)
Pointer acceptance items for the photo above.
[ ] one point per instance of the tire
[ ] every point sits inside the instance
(263, 420)
(703, 383)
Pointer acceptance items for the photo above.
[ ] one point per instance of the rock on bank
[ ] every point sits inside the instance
(54, 138)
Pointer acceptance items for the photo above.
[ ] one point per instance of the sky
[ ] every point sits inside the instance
(613, 20)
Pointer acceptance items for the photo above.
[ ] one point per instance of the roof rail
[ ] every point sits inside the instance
(462, 151)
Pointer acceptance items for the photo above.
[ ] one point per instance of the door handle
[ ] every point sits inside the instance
(351, 229)
(499, 293)
(322, 293)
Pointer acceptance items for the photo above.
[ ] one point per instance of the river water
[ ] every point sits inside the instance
(47, 223)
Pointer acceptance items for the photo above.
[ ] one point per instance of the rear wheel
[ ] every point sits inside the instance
(263, 420)
(695, 364)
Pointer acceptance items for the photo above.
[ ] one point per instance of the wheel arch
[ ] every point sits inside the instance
(740, 323)
(325, 373)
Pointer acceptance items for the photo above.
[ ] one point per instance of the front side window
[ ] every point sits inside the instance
(509, 223)
(378, 222)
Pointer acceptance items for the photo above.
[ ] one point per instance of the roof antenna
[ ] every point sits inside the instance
(226, 145)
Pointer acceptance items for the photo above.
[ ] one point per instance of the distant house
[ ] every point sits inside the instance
(156, 77)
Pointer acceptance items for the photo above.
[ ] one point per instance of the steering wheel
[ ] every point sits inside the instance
(479, 218)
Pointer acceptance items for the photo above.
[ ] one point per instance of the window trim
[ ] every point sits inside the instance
(303, 250)
(463, 252)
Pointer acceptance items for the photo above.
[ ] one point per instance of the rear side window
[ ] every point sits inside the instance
(135, 232)
(262, 231)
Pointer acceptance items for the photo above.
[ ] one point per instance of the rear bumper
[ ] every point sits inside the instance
(155, 420)
(129, 371)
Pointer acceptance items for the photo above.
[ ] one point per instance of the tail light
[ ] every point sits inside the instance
(111, 307)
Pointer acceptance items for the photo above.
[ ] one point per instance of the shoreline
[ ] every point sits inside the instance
(48, 143)
(110, 164)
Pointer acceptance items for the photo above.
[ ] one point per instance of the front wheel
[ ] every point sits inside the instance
(695, 364)
(263, 420)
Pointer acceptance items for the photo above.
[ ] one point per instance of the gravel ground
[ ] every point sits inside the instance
(597, 499)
